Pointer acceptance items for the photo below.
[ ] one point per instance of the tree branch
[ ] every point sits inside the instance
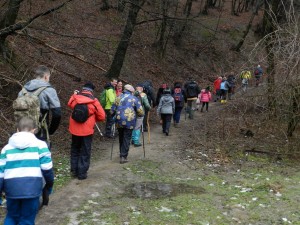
(39, 41)
(21, 25)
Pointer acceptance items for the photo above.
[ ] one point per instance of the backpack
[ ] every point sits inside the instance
(102, 98)
(81, 111)
(178, 96)
(192, 90)
(28, 105)
(256, 72)
(148, 90)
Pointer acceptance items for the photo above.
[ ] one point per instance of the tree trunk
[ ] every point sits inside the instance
(119, 57)
(8, 17)
(271, 9)
(240, 44)
(295, 111)
(121, 5)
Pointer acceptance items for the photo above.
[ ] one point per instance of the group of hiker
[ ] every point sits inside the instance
(26, 170)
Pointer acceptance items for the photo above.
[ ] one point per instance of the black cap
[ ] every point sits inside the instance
(88, 86)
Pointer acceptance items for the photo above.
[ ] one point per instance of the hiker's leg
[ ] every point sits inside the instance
(145, 125)
(177, 114)
(127, 133)
(163, 117)
(203, 103)
(206, 106)
(29, 210)
(13, 208)
(85, 156)
(75, 153)
(121, 138)
(189, 108)
(168, 118)
(109, 123)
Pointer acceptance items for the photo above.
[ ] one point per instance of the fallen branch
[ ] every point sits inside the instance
(39, 41)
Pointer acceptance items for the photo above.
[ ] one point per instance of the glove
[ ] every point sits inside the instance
(46, 193)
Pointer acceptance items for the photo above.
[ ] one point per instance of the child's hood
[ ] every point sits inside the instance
(22, 140)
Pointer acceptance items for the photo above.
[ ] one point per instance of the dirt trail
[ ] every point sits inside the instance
(102, 173)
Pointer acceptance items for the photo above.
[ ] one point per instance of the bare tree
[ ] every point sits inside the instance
(119, 57)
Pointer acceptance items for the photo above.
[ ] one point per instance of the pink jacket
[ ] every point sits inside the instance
(204, 96)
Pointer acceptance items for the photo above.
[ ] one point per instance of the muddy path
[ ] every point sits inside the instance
(103, 173)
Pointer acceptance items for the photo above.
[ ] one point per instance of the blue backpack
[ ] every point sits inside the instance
(178, 96)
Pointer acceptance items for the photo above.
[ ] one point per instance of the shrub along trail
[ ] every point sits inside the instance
(186, 178)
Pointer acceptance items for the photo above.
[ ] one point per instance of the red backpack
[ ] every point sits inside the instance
(178, 96)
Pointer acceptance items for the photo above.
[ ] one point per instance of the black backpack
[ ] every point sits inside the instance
(191, 90)
(81, 111)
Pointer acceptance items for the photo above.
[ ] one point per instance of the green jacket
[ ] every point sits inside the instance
(110, 98)
(144, 101)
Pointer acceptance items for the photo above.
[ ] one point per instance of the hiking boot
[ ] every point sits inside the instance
(167, 133)
(82, 177)
(123, 160)
(137, 145)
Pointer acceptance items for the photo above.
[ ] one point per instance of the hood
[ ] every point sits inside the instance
(167, 98)
(22, 140)
(108, 85)
(81, 99)
(35, 84)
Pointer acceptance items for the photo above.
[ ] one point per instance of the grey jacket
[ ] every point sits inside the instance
(166, 105)
(49, 102)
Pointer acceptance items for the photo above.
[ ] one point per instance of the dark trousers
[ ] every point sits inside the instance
(176, 116)
(109, 123)
(21, 211)
(223, 94)
(81, 155)
(204, 104)
(124, 141)
(166, 122)
(145, 125)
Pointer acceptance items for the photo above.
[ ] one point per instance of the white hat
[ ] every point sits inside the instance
(128, 87)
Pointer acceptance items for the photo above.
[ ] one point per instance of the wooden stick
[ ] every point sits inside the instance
(148, 125)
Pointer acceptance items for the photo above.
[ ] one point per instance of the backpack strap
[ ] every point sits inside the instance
(39, 90)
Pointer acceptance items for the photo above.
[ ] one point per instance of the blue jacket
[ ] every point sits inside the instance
(24, 161)
(126, 109)
(225, 85)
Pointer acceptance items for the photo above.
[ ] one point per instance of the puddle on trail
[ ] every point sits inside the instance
(154, 190)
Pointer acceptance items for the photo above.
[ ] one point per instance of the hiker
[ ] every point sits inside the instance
(192, 91)
(217, 91)
(258, 72)
(224, 87)
(166, 109)
(179, 96)
(82, 128)
(139, 121)
(205, 98)
(110, 97)
(149, 91)
(49, 102)
(126, 109)
(119, 88)
(24, 163)
(245, 76)
(231, 80)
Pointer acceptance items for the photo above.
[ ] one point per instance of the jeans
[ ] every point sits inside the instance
(191, 105)
(109, 123)
(21, 211)
(166, 122)
(124, 141)
(81, 155)
(176, 116)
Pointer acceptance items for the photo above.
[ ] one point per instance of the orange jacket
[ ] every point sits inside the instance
(96, 113)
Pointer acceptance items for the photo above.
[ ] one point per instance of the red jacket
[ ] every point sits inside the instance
(217, 84)
(96, 113)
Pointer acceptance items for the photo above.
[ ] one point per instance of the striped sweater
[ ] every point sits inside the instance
(24, 161)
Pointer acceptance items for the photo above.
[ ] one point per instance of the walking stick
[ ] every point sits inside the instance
(99, 130)
(142, 127)
(112, 144)
(148, 125)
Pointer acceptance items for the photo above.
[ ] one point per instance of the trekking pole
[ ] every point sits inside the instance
(142, 127)
(148, 125)
(112, 144)
(185, 113)
(99, 129)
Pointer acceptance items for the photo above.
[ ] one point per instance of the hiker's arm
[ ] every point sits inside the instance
(146, 103)
(100, 113)
(46, 166)
(55, 108)
(2, 169)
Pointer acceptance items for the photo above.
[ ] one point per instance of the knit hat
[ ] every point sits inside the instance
(88, 86)
(167, 91)
(128, 87)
